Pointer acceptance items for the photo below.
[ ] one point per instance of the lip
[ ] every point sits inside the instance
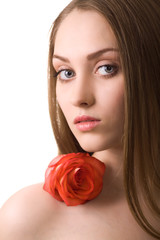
(86, 123)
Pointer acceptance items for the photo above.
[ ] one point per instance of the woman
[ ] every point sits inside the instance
(104, 99)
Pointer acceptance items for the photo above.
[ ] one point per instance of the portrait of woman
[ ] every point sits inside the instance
(104, 104)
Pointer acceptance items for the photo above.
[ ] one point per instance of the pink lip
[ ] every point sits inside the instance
(86, 123)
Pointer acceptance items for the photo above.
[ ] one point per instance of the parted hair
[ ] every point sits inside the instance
(136, 25)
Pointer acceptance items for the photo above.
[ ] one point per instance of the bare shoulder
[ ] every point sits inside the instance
(26, 212)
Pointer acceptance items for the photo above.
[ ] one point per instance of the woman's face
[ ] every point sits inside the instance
(90, 84)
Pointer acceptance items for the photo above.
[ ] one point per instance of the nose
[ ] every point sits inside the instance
(82, 94)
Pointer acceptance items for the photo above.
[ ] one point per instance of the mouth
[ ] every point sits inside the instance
(86, 123)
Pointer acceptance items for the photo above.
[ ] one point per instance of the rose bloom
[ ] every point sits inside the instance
(74, 178)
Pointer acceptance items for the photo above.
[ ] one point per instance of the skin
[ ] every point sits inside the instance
(90, 88)
(32, 213)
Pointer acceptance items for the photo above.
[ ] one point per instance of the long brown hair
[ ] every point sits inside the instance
(136, 25)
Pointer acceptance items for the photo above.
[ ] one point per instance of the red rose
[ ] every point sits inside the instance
(74, 178)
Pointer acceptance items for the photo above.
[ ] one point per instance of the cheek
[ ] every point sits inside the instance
(60, 97)
(62, 102)
(112, 98)
(114, 109)
(118, 102)
(118, 105)
(58, 92)
(118, 97)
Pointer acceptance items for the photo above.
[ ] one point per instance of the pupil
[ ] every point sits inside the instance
(108, 68)
(68, 73)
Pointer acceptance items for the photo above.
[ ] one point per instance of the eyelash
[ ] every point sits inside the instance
(109, 75)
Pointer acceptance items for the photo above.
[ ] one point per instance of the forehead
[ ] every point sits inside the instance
(84, 31)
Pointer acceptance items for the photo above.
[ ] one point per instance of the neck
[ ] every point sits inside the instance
(113, 188)
(113, 157)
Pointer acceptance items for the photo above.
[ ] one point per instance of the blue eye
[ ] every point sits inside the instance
(107, 70)
(65, 74)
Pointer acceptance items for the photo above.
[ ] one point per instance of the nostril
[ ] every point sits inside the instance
(84, 103)
(81, 95)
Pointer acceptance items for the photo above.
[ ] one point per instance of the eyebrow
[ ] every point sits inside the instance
(91, 55)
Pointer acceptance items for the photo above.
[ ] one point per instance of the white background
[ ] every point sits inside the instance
(26, 140)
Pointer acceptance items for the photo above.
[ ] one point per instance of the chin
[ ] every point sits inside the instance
(94, 147)
(97, 146)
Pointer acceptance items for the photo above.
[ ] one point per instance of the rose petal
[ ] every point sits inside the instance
(74, 178)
